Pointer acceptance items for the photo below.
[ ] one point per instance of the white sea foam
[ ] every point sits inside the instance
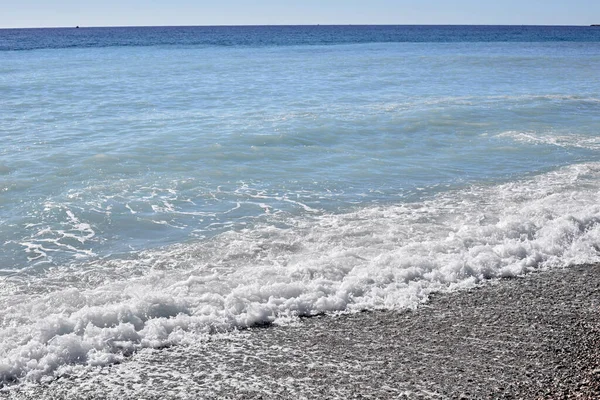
(571, 140)
(387, 257)
(72, 239)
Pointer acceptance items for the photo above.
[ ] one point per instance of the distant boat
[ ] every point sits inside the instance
(595, 25)
(77, 27)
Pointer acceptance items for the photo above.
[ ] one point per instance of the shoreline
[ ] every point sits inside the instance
(533, 337)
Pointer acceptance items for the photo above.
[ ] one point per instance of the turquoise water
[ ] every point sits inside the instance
(163, 182)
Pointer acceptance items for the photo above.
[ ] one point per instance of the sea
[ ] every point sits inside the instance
(159, 185)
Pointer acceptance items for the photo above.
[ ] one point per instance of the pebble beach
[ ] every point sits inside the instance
(533, 337)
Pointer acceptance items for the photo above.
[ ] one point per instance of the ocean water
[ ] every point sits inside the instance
(160, 184)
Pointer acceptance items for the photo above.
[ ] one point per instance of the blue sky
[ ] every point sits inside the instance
(39, 13)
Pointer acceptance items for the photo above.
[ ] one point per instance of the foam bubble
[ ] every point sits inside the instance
(388, 257)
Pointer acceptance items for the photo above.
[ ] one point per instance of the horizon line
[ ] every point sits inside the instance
(278, 25)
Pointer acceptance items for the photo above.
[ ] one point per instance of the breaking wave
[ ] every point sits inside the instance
(378, 257)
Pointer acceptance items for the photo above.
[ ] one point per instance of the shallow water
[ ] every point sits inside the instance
(159, 182)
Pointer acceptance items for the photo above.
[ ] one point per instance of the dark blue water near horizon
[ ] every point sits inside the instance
(281, 35)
